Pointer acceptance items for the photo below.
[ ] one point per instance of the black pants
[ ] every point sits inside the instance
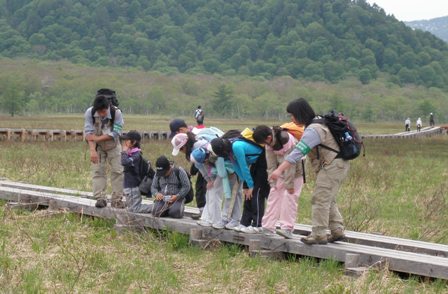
(253, 210)
(200, 187)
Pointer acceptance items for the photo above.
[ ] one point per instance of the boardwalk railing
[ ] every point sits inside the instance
(361, 250)
(35, 135)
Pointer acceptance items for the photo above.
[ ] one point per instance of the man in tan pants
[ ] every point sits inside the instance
(103, 125)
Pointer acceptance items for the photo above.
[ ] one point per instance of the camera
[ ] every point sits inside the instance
(167, 198)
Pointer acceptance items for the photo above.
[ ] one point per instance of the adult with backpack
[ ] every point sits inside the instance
(103, 123)
(199, 115)
(249, 163)
(407, 125)
(285, 192)
(170, 187)
(136, 169)
(329, 142)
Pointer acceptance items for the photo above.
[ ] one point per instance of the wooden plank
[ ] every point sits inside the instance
(352, 237)
(401, 261)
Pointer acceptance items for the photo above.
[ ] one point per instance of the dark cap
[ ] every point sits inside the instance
(221, 147)
(132, 135)
(175, 126)
(162, 166)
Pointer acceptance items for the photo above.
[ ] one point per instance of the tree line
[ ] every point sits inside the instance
(326, 40)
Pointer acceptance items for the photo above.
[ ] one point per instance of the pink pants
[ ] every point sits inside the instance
(282, 206)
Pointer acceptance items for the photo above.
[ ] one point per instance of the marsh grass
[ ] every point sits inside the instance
(398, 189)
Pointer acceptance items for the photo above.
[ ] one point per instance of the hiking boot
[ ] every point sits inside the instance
(312, 240)
(118, 204)
(196, 216)
(101, 203)
(286, 233)
(336, 235)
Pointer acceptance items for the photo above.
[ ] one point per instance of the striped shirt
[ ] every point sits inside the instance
(170, 185)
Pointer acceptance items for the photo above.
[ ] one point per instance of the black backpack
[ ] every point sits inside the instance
(110, 94)
(344, 133)
(190, 195)
(146, 176)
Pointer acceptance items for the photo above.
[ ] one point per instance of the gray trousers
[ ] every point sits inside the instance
(163, 209)
(231, 209)
(134, 201)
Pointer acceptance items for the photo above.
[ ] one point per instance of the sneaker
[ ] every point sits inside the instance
(232, 225)
(204, 223)
(336, 235)
(101, 203)
(268, 233)
(239, 228)
(118, 204)
(286, 233)
(312, 240)
(249, 230)
(219, 225)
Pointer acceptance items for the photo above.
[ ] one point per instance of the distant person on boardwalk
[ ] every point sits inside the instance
(169, 188)
(431, 120)
(407, 125)
(102, 127)
(419, 124)
(199, 115)
(331, 172)
(179, 126)
(131, 159)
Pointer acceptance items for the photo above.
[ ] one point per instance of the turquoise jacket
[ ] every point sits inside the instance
(245, 154)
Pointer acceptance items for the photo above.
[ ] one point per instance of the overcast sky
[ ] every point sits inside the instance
(406, 10)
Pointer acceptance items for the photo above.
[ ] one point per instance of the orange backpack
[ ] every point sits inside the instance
(293, 129)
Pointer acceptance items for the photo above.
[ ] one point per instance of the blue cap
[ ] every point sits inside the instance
(199, 155)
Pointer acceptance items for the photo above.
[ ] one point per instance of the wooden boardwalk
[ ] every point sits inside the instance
(424, 133)
(361, 251)
(44, 135)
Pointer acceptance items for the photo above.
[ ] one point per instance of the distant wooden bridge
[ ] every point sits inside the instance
(360, 252)
(36, 135)
(425, 132)
(43, 135)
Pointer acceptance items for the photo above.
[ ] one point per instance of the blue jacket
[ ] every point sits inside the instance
(245, 154)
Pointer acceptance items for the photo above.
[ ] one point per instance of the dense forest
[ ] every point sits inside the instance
(319, 40)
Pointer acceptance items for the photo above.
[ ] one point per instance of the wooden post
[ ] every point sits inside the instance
(352, 265)
(197, 238)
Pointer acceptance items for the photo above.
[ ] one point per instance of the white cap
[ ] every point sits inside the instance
(178, 142)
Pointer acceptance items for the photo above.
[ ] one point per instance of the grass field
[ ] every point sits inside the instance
(160, 123)
(398, 189)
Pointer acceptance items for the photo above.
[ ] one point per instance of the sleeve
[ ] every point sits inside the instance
(203, 170)
(242, 169)
(271, 160)
(223, 174)
(289, 175)
(310, 139)
(155, 185)
(118, 124)
(88, 122)
(127, 160)
(185, 183)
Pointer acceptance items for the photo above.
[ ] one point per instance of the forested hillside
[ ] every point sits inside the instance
(306, 39)
(437, 26)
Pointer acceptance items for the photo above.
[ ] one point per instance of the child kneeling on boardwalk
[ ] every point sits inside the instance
(170, 187)
(131, 159)
(285, 192)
